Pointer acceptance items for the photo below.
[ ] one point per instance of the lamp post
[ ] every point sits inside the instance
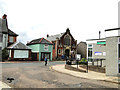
(87, 66)
(5, 41)
(77, 62)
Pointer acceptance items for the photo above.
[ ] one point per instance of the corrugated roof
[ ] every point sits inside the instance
(18, 45)
(53, 37)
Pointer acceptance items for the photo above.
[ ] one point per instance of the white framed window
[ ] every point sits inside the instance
(10, 39)
(21, 53)
(118, 40)
(90, 50)
(90, 45)
(46, 47)
(59, 51)
(67, 40)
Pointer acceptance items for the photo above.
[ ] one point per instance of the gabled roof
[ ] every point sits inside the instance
(4, 28)
(39, 41)
(54, 37)
(18, 45)
(11, 33)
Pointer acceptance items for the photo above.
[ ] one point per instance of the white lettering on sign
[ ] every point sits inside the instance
(98, 53)
(104, 53)
(78, 56)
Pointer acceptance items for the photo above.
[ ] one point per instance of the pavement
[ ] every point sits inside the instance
(89, 75)
(3, 85)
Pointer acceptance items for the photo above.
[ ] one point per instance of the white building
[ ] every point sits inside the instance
(107, 48)
(7, 37)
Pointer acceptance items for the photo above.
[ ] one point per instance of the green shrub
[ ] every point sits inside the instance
(83, 61)
(5, 54)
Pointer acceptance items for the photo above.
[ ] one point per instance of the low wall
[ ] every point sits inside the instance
(69, 67)
(94, 68)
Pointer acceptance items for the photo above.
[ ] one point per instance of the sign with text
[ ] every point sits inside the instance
(78, 56)
(98, 53)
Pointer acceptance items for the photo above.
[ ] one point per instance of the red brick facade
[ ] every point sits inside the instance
(14, 40)
(63, 46)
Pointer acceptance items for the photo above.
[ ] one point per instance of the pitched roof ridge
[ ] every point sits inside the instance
(48, 41)
(12, 45)
(41, 39)
(35, 39)
(57, 34)
(12, 32)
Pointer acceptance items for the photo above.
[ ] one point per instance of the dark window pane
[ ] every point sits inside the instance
(119, 50)
(0, 37)
(89, 52)
(67, 40)
(54, 45)
(119, 68)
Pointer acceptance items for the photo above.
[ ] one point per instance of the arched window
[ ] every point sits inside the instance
(67, 40)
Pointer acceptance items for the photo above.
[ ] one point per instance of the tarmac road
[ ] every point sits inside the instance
(36, 75)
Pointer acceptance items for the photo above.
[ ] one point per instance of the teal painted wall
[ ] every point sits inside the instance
(43, 50)
(40, 48)
(35, 47)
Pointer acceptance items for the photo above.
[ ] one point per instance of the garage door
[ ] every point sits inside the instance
(21, 53)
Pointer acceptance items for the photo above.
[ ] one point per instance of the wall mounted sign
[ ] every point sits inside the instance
(98, 53)
(78, 56)
(104, 53)
(102, 42)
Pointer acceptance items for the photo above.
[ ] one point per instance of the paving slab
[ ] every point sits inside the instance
(3, 85)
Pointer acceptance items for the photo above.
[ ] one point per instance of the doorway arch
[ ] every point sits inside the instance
(67, 52)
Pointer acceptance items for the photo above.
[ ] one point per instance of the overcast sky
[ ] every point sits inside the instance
(33, 19)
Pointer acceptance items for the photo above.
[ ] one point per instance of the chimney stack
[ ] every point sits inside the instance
(67, 30)
(4, 16)
(99, 34)
(47, 35)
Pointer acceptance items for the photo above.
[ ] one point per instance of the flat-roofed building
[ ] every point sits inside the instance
(107, 48)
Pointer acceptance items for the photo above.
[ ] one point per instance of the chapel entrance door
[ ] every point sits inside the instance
(67, 52)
